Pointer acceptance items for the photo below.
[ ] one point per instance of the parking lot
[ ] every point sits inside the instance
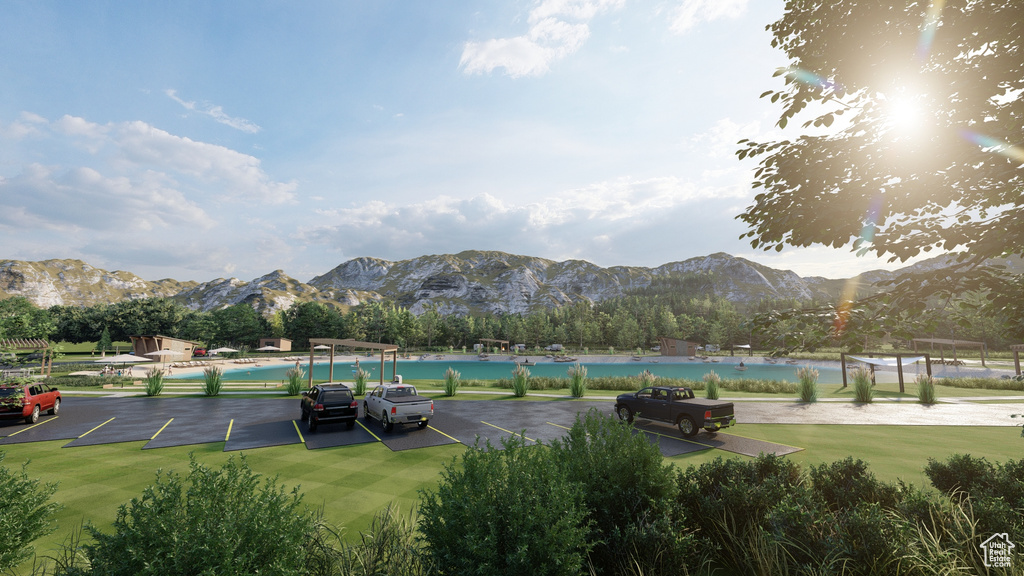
(244, 424)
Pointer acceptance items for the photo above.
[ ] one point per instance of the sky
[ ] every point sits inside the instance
(214, 139)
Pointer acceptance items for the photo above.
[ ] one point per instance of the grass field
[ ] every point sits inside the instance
(352, 483)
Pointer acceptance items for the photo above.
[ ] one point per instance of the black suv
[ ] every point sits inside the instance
(328, 403)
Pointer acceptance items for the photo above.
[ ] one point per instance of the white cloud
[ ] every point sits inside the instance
(557, 28)
(215, 112)
(692, 12)
(604, 222)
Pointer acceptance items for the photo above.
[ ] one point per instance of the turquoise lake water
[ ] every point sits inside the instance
(493, 370)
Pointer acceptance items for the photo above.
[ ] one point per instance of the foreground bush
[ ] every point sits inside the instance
(628, 491)
(213, 381)
(25, 511)
(509, 511)
(224, 522)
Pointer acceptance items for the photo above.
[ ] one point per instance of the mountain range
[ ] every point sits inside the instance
(474, 282)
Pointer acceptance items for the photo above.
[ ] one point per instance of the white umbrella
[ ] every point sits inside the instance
(222, 350)
(268, 349)
(122, 359)
(321, 347)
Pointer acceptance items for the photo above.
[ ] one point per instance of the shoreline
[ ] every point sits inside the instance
(971, 370)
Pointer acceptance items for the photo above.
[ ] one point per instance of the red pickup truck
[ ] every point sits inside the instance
(28, 401)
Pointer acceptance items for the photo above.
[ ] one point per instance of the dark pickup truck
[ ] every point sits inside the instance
(675, 406)
(329, 403)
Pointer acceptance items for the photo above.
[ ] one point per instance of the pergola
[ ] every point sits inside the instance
(952, 344)
(1017, 349)
(31, 344)
(349, 343)
(502, 344)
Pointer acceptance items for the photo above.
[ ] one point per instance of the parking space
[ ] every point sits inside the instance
(244, 424)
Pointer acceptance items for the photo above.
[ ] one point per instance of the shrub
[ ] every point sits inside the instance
(295, 377)
(844, 484)
(862, 390)
(510, 511)
(712, 381)
(212, 383)
(361, 377)
(578, 380)
(25, 511)
(451, 381)
(628, 490)
(154, 382)
(520, 381)
(807, 388)
(985, 383)
(996, 490)
(390, 546)
(926, 389)
(215, 522)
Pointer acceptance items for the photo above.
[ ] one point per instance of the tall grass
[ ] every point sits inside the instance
(862, 390)
(212, 381)
(807, 388)
(577, 380)
(361, 376)
(645, 379)
(926, 389)
(985, 383)
(712, 382)
(295, 377)
(154, 382)
(451, 381)
(520, 381)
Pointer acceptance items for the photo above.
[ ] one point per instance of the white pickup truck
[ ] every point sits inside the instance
(397, 404)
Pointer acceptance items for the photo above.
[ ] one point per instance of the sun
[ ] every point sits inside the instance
(905, 113)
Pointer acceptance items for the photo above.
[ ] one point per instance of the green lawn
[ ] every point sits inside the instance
(353, 482)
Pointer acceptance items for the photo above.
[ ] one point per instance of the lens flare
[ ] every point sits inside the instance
(867, 235)
(811, 79)
(931, 24)
(997, 146)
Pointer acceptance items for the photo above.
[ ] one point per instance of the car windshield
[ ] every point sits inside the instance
(401, 392)
(333, 396)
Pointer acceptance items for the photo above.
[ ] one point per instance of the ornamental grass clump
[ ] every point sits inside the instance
(154, 382)
(645, 379)
(712, 383)
(295, 377)
(451, 381)
(577, 380)
(212, 381)
(926, 389)
(808, 386)
(862, 390)
(361, 377)
(520, 381)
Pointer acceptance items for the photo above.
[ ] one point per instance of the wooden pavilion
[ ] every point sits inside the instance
(1017, 349)
(952, 344)
(34, 344)
(349, 343)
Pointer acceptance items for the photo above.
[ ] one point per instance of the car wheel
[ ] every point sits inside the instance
(366, 412)
(385, 422)
(34, 416)
(624, 413)
(312, 423)
(422, 424)
(56, 407)
(686, 426)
